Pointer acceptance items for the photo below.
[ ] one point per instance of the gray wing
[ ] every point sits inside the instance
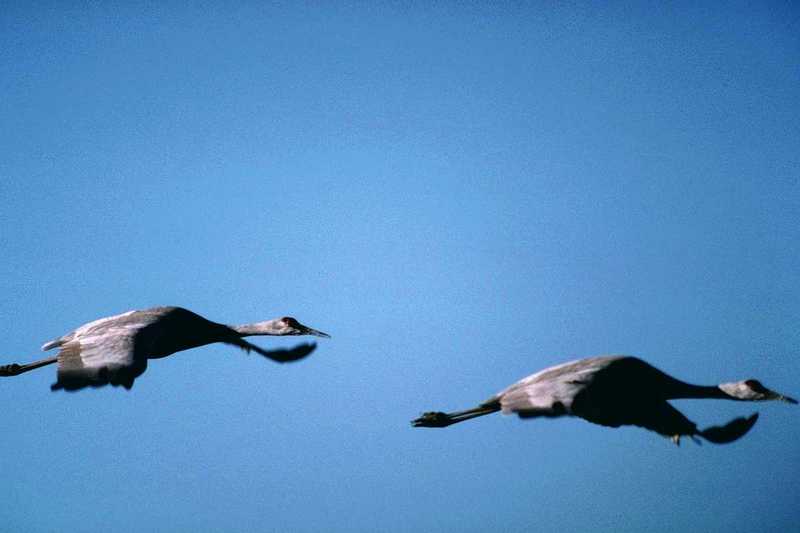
(662, 418)
(281, 355)
(665, 420)
(552, 391)
(731, 431)
(532, 399)
(115, 357)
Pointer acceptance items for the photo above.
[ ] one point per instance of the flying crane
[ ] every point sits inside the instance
(614, 391)
(114, 350)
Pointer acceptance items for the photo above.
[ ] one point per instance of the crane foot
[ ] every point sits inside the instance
(10, 370)
(432, 420)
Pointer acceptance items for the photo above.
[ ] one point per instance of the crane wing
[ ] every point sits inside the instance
(731, 431)
(115, 357)
(660, 417)
(281, 355)
(552, 391)
(544, 398)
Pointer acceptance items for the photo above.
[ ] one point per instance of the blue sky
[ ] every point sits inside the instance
(461, 196)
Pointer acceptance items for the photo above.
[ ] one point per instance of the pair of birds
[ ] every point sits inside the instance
(611, 390)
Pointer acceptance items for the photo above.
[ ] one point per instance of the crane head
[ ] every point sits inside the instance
(752, 390)
(290, 326)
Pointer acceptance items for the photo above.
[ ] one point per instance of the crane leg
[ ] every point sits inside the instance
(437, 419)
(15, 369)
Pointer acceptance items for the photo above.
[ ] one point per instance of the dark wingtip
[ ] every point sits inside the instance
(299, 352)
(733, 430)
(291, 355)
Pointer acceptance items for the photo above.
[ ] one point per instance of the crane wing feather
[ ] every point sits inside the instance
(280, 355)
(552, 391)
(115, 357)
(662, 418)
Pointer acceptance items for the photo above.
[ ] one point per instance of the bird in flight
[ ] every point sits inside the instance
(614, 391)
(114, 350)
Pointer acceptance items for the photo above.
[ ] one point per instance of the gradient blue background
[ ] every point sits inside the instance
(461, 196)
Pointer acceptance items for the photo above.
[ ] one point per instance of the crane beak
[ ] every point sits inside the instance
(780, 397)
(766, 394)
(305, 330)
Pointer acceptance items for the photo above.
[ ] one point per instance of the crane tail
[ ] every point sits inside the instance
(437, 419)
(52, 344)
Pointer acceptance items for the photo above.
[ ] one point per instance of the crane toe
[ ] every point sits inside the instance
(432, 419)
(10, 370)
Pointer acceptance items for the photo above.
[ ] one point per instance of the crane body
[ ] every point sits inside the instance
(613, 391)
(115, 350)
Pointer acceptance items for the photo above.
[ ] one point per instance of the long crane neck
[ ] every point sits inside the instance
(680, 389)
(268, 327)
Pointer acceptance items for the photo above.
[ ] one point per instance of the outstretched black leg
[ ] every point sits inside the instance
(438, 419)
(15, 369)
